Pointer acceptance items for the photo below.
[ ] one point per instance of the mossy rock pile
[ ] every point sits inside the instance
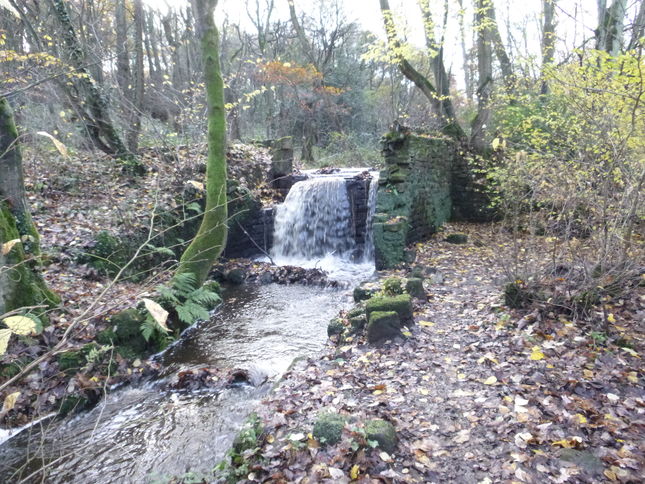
(382, 326)
(400, 304)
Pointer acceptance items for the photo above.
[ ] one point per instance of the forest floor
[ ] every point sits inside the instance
(477, 393)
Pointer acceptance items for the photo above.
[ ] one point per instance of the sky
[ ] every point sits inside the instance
(520, 17)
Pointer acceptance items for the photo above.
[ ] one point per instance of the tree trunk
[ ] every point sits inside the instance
(450, 125)
(20, 284)
(210, 240)
(638, 28)
(139, 81)
(468, 73)
(123, 76)
(609, 35)
(100, 125)
(442, 82)
(548, 39)
(485, 71)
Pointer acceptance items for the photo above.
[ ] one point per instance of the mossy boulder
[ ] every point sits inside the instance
(365, 291)
(357, 323)
(328, 428)
(401, 304)
(457, 238)
(414, 287)
(356, 311)
(382, 432)
(393, 286)
(383, 325)
(335, 327)
(236, 276)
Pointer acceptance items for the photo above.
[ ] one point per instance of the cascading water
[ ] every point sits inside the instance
(368, 254)
(314, 221)
(315, 227)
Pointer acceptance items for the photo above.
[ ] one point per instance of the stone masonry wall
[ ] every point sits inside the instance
(414, 196)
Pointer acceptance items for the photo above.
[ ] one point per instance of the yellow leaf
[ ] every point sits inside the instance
(10, 401)
(5, 334)
(7, 246)
(426, 323)
(159, 314)
(21, 325)
(196, 184)
(632, 377)
(491, 380)
(270, 439)
(406, 333)
(581, 418)
(423, 391)
(536, 354)
(611, 475)
(495, 143)
(353, 473)
(610, 318)
(62, 149)
(377, 392)
(631, 352)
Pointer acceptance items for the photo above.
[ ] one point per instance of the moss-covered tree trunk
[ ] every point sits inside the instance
(210, 240)
(97, 115)
(20, 284)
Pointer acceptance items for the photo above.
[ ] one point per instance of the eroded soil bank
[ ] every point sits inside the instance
(476, 392)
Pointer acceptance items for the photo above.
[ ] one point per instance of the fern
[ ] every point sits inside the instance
(190, 311)
(204, 297)
(184, 284)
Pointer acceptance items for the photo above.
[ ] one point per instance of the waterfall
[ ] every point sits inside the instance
(314, 221)
(368, 254)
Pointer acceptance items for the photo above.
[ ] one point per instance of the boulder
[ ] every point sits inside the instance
(357, 323)
(383, 432)
(236, 276)
(383, 325)
(328, 428)
(365, 291)
(335, 327)
(414, 287)
(401, 304)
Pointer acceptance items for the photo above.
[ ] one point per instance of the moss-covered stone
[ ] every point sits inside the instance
(414, 287)
(393, 286)
(356, 311)
(457, 238)
(365, 291)
(328, 428)
(401, 304)
(383, 325)
(382, 432)
(357, 323)
(335, 327)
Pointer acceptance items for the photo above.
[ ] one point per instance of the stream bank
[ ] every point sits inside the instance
(477, 392)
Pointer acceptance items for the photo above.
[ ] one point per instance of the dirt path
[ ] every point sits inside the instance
(474, 395)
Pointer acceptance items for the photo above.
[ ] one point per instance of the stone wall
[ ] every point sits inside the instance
(414, 196)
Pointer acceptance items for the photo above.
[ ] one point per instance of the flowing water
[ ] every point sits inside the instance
(147, 433)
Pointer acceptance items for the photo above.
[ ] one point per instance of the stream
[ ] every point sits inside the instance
(149, 434)
(146, 434)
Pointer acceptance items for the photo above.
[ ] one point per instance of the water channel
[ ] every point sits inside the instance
(147, 433)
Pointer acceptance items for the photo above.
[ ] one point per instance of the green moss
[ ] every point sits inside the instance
(335, 327)
(328, 428)
(393, 286)
(383, 325)
(382, 432)
(401, 304)
(414, 287)
(20, 285)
